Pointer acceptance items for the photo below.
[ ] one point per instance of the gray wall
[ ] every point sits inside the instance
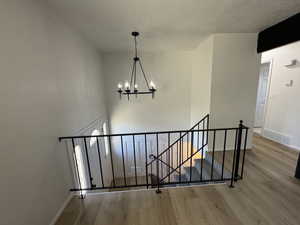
(50, 79)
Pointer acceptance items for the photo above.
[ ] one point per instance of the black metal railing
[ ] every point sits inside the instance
(158, 159)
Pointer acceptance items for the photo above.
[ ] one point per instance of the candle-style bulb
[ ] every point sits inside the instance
(135, 88)
(127, 85)
(152, 85)
(120, 86)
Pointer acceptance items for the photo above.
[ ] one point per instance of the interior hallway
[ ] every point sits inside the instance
(269, 194)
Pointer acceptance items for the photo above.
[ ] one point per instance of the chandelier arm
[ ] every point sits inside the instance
(134, 76)
(132, 73)
(144, 74)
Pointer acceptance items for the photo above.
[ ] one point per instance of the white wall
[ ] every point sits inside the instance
(50, 79)
(170, 109)
(201, 80)
(235, 73)
(282, 121)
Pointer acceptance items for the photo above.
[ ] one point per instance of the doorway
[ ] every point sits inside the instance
(262, 96)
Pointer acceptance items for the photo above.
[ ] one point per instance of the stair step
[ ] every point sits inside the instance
(192, 173)
(217, 168)
(183, 178)
(196, 172)
(205, 169)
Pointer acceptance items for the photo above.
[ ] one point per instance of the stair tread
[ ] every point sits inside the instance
(218, 167)
(207, 169)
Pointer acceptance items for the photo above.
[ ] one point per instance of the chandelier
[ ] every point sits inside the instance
(132, 87)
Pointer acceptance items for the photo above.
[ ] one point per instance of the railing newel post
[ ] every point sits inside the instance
(245, 147)
(238, 153)
(233, 159)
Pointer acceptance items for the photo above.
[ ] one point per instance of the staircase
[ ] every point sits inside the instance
(196, 166)
(202, 171)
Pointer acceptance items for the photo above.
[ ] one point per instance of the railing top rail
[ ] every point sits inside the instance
(148, 133)
(204, 118)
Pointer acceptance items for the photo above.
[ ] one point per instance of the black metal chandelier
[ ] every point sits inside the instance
(132, 87)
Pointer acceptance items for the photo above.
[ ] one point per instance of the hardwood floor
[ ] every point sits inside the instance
(268, 195)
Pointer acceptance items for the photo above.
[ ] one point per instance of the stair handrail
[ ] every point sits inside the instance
(183, 162)
(181, 137)
(152, 156)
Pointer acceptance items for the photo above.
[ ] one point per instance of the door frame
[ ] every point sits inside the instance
(270, 61)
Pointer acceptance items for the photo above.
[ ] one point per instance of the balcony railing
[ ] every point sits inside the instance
(157, 159)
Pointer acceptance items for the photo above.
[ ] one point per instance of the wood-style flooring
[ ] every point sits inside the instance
(268, 195)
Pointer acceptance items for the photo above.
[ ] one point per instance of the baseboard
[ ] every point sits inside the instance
(294, 147)
(279, 138)
(61, 209)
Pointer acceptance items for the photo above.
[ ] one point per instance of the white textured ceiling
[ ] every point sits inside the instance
(169, 24)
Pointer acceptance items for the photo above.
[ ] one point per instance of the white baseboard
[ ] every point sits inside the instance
(61, 209)
(279, 138)
(294, 147)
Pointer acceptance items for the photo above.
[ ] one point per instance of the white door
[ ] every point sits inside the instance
(262, 94)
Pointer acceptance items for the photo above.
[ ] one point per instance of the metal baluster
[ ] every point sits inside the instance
(172, 157)
(151, 172)
(111, 161)
(162, 167)
(180, 155)
(202, 153)
(203, 128)
(207, 127)
(213, 156)
(77, 170)
(245, 147)
(177, 158)
(191, 157)
(198, 139)
(100, 163)
(169, 156)
(124, 172)
(88, 163)
(157, 166)
(233, 159)
(224, 150)
(135, 173)
(187, 147)
(146, 160)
